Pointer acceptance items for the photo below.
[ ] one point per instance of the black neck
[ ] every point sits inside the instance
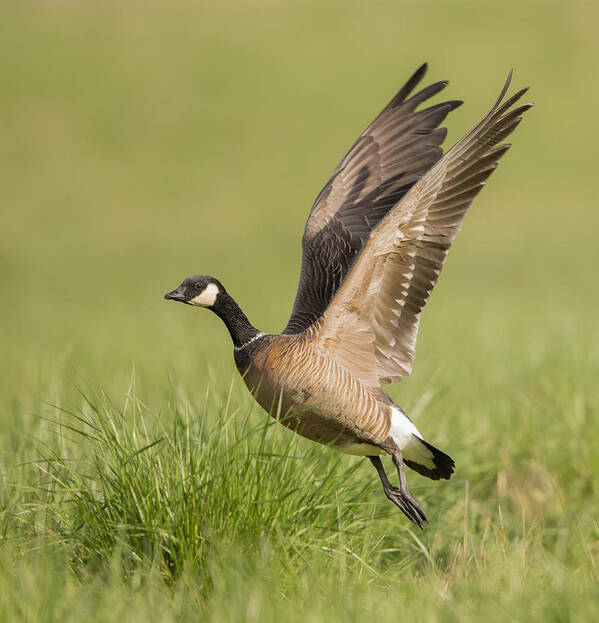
(240, 328)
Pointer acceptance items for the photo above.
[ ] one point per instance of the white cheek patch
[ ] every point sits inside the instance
(206, 297)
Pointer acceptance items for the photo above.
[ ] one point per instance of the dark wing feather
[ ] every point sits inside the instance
(393, 153)
(377, 309)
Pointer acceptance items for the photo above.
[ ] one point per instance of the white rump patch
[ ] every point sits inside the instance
(206, 297)
(407, 436)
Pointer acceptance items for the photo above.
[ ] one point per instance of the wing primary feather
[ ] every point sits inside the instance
(408, 87)
(394, 274)
(389, 157)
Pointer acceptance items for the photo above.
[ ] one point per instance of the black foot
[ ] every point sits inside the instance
(408, 505)
(403, 498)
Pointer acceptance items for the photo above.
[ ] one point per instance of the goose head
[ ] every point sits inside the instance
(201, 291)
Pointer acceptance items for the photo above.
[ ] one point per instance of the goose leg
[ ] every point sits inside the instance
(403, 486)
(402, 497)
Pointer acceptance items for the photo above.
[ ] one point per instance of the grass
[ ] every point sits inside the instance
(138, 481)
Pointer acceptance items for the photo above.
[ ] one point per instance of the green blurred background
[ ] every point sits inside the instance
(144, 142)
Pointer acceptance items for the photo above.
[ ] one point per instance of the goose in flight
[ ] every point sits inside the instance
(373, 247)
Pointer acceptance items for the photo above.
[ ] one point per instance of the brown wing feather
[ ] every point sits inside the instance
(396, 149)
(392, 279)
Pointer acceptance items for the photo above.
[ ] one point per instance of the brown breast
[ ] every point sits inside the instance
(312, 394)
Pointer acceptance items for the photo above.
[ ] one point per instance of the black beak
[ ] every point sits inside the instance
(175, 295)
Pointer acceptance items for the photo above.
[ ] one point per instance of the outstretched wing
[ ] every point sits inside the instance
(396, 149)
(379, 303)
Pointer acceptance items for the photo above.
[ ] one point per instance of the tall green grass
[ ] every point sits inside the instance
(170, 493)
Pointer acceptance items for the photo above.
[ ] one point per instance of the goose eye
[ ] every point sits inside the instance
(199, 285)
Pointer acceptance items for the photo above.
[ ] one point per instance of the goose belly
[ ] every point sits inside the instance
(331, 407)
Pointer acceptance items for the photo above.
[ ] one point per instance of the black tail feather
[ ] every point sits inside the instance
(444, 464)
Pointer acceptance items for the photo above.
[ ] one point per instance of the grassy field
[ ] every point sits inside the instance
(143, 142)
